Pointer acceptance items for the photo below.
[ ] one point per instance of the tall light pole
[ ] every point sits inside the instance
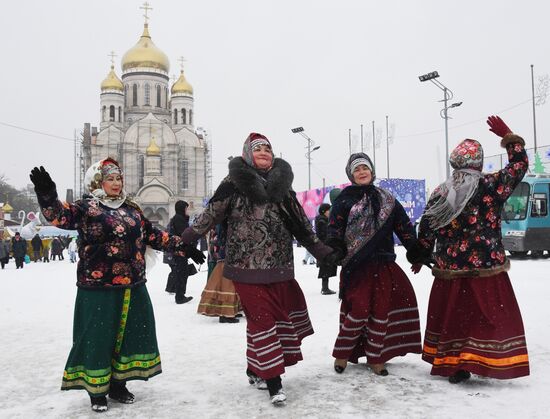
(387, 147)
(534, 117)
(447, 95)
(310, 143)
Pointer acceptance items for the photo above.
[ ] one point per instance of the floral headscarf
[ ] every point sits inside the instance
(450, 198)
(93, 181)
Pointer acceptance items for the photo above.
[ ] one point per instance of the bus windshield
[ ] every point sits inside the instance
(515, 208)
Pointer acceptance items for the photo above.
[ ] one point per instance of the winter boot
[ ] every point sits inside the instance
(276, 392)
(254, 380)
(459, 376)
(378, 369)
(184, 300)
(99, 404)
(340, 365)
(120, 393)
(325, 290)
(224, 319)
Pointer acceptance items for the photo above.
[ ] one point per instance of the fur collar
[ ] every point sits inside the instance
(251, 184)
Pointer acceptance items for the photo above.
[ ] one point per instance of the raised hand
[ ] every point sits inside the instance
(41, 180)
(498, 126)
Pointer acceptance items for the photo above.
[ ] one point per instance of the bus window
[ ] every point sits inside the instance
(540, 205)
(515, 208)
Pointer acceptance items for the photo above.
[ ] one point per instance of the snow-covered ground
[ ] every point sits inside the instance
(204, 363)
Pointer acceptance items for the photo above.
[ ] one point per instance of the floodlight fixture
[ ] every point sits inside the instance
(297, 130)
(429, 76)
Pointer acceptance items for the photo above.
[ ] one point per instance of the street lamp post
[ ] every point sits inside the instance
(447, 96)
(310, 143)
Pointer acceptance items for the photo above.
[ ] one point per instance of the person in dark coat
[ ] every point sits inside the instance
(4, 252)
(474, 324)
(57, 248)
(36, 244)
(177, 278)
(325, 271)
(114, 334)
(379, 314)
(19, 250)
(263, 215)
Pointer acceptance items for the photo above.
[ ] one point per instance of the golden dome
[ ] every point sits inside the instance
(153, 149)
(145, 54)
(112, 81)
(182, 85)
(7, 208)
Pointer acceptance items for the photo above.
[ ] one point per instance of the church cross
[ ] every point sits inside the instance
(181, 60)
(146, 8)
(112, 55)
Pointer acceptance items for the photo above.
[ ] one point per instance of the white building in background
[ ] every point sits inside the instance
(148, 126)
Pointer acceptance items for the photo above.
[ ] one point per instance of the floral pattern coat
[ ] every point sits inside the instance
(473, 240)
(111, 242)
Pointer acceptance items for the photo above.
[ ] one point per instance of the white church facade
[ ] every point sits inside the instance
(148, 126)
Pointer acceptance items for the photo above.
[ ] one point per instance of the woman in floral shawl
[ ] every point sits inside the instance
(114, 337)
(474, 324)
(378, 315)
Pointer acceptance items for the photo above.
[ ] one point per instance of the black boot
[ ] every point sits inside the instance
(459, 376)
(99, 404)
(120, 393)
(325, 290)
(276, 392)
(224, 319)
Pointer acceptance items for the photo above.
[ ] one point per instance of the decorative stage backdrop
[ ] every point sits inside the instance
(410, 192)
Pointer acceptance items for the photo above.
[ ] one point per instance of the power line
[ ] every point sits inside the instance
(37, 132)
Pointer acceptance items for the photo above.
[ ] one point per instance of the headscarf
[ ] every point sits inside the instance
(450, 198)
(93, 181)
(253, 140)
(357, 159)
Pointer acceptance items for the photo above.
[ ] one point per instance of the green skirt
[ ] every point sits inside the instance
(114, 338)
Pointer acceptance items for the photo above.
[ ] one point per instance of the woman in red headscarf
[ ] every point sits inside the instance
(261, 215)
(474, 323)
(114, 338)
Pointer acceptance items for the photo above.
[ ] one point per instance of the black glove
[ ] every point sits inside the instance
(41, 180)
(195, 254)
(416, 253)
(334, 257)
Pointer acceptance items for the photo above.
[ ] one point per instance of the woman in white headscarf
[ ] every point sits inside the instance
(114, 337)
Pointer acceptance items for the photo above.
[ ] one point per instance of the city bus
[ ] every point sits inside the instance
(525, 218)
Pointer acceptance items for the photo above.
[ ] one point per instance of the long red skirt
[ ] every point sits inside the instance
(474, 324)
(277, 321)
(378, 316)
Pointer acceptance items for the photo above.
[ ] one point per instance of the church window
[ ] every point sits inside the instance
(134, 95)
(175, 116)
(158, 96)
(184, 174)
(147, 95)
(166, 96)
(141, 170)
(183, 116)
(126, 95)
(190, 117)
(111, 113)
(120, 114)
(103, 111)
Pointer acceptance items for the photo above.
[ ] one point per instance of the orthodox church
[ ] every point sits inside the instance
(148, 126)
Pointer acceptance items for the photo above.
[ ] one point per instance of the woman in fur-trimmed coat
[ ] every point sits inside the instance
(262, 215)
(474, 323)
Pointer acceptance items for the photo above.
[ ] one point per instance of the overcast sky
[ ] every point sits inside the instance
(269, 66)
